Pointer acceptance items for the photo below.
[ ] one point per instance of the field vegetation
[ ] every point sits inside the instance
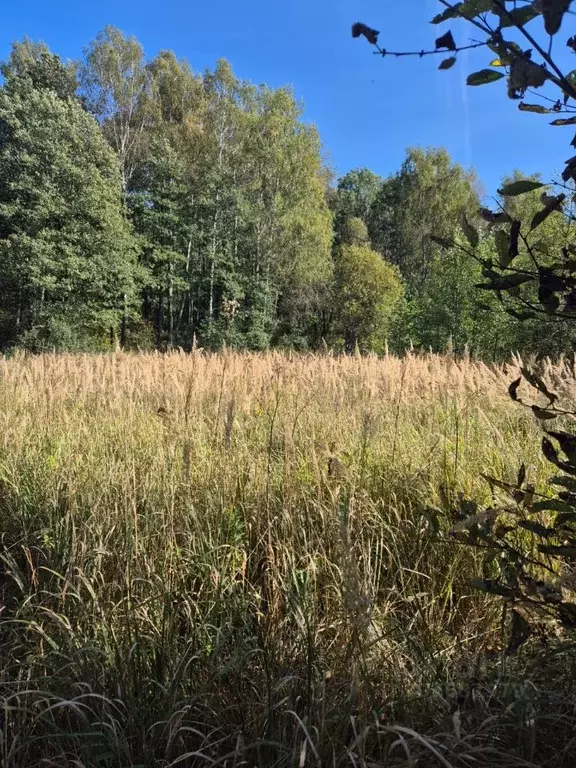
(232, 559)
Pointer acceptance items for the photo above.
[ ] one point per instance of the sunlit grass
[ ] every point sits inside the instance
(226, 560)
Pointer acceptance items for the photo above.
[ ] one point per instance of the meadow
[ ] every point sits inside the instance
(233, 559)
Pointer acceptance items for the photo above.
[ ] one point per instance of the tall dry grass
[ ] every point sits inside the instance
(227, 560)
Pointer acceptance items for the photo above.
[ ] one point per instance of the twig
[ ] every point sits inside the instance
(384, 52)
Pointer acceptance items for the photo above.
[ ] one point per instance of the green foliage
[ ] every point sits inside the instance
(66, 252)
(354, 232)
(238, 227)
(354, 197)
(425, 199)
(366, 294)
(35, 62)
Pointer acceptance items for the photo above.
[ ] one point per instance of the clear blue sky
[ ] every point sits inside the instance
(367, 110)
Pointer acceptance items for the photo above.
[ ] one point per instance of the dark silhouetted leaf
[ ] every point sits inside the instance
(567, 615)
(513, 242)
(538, 108)
(525, 74)
(449, 13)
(564, 121)
(552, 204)
(494, 218)
(543, 414)
(519, 634)
(551, 280)
(550, 452)
(569, 171)
(524, 315)
(442, 241)
(469, 231)
(538, 383)
(472, 8)
(564, 481)
(563, 518)
(551, 505)
(520, 187)
(553, 12)
(513, 391)
(446, 41)
(537, 528)
(492, 587)
(495, 483)
(558, 551)
(501, 242)
(483, 77)
(518, 16)
(522, 470)
(447, 63)
(505, 282)
(548, 299)
(361, 29)
(567, 443)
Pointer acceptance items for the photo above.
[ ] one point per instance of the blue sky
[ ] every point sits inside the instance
(368, 110)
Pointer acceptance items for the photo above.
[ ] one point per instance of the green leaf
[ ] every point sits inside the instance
(447, 63)
(520, 187)
(483, 77)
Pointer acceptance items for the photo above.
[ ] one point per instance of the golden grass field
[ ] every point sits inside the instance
(225, 559)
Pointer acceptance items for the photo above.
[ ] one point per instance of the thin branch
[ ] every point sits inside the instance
(384, 52)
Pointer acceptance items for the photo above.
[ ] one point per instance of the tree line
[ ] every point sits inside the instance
(146, 205)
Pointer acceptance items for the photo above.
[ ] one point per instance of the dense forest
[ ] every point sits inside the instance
(148, 206)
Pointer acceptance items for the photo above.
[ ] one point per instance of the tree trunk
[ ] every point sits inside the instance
(213, 260)
(124, 323)
(159, 310)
